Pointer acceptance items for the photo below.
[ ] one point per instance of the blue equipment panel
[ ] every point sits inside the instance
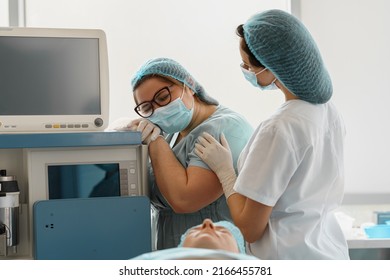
(104, 228)
(76, 139)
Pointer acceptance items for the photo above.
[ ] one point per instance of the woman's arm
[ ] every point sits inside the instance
(249, 216)
(186, 190)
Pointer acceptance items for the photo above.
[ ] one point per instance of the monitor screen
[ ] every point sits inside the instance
(49, 76)
(53, 80)
(83, 180)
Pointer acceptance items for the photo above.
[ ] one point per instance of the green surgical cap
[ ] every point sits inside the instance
(235, 231)
(283, 45)
(169, 68)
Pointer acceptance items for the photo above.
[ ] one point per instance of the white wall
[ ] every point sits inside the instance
(354, 38)
(200, 34)
(4, 19)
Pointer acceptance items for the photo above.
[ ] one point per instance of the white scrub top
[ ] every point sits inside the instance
(294, 163)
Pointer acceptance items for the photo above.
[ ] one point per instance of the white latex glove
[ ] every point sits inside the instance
(219, 158)
(119, 124)
(149, 131)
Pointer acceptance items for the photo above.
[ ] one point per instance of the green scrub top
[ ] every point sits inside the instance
(170, 225)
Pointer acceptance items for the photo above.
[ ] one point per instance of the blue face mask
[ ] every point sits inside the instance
(252, 78)
(174, 117)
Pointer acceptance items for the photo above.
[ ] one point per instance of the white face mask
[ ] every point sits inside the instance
(173, 117)
(271, 86)
(252, 78)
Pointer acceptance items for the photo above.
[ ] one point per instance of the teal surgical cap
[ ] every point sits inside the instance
(281, 43)
(235, 231)
(169, 68)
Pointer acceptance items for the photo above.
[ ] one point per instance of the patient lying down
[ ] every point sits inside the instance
(221, 240)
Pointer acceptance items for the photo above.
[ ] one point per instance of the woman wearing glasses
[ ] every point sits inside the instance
(291, 174)
(184, 189)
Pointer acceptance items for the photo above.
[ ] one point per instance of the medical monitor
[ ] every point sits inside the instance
(75, 172)
(53, 80)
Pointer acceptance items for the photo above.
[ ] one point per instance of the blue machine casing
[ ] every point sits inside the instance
(76, 139)
(104, 228)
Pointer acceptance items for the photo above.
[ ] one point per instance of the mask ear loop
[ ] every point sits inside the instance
(193, 99)
(261, 71)
(273, 81)
(184, 88)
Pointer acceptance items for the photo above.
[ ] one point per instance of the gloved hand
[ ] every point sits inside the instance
(149, 131)
(219, 158)
(119, 124)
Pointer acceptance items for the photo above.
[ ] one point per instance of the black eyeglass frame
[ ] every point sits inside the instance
(137, 108)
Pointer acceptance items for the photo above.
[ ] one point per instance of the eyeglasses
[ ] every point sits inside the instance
(161, 98)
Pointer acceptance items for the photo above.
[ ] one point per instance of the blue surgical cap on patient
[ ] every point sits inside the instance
(235, 231)
(169, 68)
(281, 43)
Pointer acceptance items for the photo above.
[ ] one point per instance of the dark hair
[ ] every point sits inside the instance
(252, 59)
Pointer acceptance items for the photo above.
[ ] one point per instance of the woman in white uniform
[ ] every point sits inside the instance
(290, 174)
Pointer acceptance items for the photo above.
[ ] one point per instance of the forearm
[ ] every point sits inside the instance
(236, 204)
(185, 189)
(249, 216)
(168, 171)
